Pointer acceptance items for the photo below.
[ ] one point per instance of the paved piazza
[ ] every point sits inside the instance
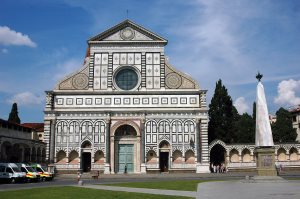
(244, 190)
(235, 185)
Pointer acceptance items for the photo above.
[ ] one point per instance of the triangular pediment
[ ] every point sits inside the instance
(127, 31)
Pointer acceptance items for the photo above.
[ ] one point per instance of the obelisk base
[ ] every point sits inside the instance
(265, 161)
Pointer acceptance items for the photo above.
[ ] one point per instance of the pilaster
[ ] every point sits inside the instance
(52, 141)
(143, 165)
(107, 146)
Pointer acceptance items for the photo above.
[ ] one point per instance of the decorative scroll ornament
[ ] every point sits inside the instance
(80, 81)
(173, 80)
(49, 99)
(127, 33)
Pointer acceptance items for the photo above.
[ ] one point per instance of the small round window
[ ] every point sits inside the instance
(126, 79)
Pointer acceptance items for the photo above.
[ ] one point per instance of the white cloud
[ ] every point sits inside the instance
(286, 91)
(67, 67)
(241, 105)
(26, 98)
(10, 37)
(4, 50)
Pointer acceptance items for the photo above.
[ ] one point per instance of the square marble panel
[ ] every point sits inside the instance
(117, 101)
(149, 59)
(149, 70)
(156, 81)
(156, 58)
(69, 101)
(183, 100)
(126, 101)
(98, 101)
(116, 58)
(155, 100)
(79, 101)
(156, 70)
(130, 59)
(104, 69)
(136, 100)
(137, 58)
(60, 101)
(97, 85)
(88, 101)
(104, 58)
(123, 59)
(193, 100)
(174, 100)
(97, 70)
(164, 100)
(145, 101)
(97, 59)
(107, 101)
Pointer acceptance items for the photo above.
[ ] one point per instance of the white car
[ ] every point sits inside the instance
(11, 172)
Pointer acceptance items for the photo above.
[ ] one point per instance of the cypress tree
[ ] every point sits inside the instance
(282, 129)
(13, 115)
(254, 112)
(245, 129)
(221, 116)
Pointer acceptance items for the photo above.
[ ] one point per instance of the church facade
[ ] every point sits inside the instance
(127, 110)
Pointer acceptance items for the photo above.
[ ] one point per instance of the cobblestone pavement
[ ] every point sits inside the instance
(142, 190)
(235, 185)
(249, 190)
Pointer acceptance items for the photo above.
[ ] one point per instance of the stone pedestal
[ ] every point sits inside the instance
(265, 161)
(202, 168)
(143, 168)
(106, 168)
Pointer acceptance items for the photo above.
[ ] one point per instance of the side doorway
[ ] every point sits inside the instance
(164, 156)
(86, 161)
(86, 156)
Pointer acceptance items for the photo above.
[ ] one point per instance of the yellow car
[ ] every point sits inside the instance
(31, 174)
(45, 175)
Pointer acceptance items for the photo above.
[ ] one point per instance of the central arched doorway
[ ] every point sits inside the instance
(125, 140)
(217, 155)
(86, 158)
(164, 154)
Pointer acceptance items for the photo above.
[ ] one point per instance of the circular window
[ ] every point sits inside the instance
(126, 78)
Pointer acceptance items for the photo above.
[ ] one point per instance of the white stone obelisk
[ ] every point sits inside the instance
(263, 132)
(264, 145)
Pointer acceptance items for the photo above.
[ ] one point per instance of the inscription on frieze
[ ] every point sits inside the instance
(266, 161)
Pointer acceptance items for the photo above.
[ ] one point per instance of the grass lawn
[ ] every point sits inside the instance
(74, 193)
(183, 185)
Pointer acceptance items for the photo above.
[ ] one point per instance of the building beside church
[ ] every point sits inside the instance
(239, 157)
(127, 110)
(20, 143)
(295, 111)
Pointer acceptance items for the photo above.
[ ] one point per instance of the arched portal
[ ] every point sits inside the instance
(86, 157)
(217, 155)
(16, 153)
(164, 154)
(125, 138)
(6, 152)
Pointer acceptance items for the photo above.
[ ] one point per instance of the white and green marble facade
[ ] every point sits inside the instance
(165, 109)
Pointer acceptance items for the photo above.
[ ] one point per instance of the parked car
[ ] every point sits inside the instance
(43, 171)
(31, 174)
(11, 172)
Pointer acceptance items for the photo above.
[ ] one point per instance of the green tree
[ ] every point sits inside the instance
(13, 115)
(221, 115)
(245, 129)
(282, 129)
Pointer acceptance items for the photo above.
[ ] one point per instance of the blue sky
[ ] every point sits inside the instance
(43, 40)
